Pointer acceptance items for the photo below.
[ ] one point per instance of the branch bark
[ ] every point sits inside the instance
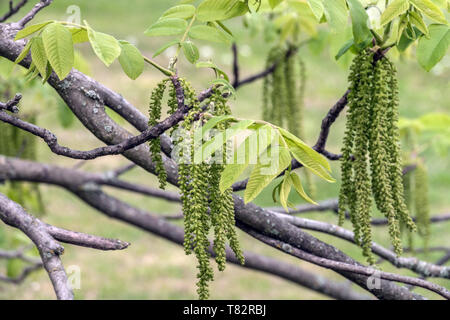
(72, 90)
(75, 182)
(45, 238)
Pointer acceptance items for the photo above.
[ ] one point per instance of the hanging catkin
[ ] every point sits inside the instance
(284, 94)
(422, 209)
(155, 144)
(371, 163)
(204, 206)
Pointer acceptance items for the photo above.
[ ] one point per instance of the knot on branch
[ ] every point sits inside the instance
(12, 105)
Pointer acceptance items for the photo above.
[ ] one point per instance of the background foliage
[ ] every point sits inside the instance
(154, 269)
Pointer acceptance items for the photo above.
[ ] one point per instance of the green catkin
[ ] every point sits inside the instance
(361, 179)
(421, 202)
(408, 192)
(283, 96)
(155, 144)
(347, 191)
(372, 140)
(222, 204)
(204, 206)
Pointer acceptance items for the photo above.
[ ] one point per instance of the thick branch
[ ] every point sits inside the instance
(12, 214)
(44, 237)
(74, 181)
(421, 267)
(72, 91)
(346, 267)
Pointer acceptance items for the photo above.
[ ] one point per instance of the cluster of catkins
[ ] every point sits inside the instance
(371, 163)
(17, 143)
(415, 184)
(204, 206)
(283, 94)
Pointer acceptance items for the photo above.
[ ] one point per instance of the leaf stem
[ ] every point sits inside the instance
(165, 71)
(183, 38)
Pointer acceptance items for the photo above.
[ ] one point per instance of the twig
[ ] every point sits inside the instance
(291, 51)
(13, 9)
(120, 171)
(12, 105)
(30, 15)
(235, 65)
(23, 275)
(52, 141)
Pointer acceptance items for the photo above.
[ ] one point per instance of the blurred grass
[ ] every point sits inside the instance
(153, 268)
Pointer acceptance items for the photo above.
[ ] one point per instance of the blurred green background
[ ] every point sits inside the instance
(153, 268)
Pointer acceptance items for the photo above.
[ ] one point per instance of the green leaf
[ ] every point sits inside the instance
(131, 60)
(221, 138)
(431, 51)
(217, 70)
(230, 174)
(405, 41)
(285, 189)
(345, 48)
(360, 20)
(58, 46)
(263, 174)
(394, 9)
(428, 8)
(309, 161)
(226, 84)
(24, 52)
(263, 136)
(38, 56)
(165, 47)
(14, 267)
(436, 121)
(216, 10)
(167, 27)
(417, 20)
(190, 51)
(299, 188)
(317, 8)
(81, 63)
(214, 121)
(183, 11)
(320, 159)
(224, 28)
(274, 3)
(65, 115)
(79, 35)
(208, 33)
(336, 14)
(105, 46)
(30, 30)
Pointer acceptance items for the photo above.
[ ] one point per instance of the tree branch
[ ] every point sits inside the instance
(13, 9)
(345, 267)
(30, 15)
(71, 90)
(420, 267)
(34, 264)
(11, 105)
(74, 181)
(44, 237)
